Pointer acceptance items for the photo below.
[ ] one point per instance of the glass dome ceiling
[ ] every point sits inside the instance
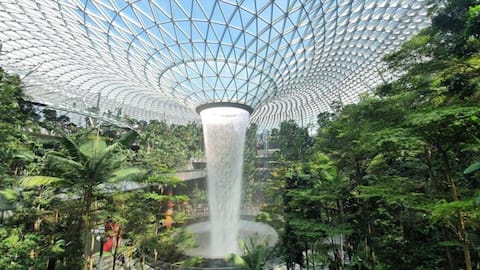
(161, 59)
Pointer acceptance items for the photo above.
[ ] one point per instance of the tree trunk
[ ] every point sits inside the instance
(85, 246)
(428, 153)
(342, 256)
(464, 239)
(155, 254)
(313, 254)
(372, 250)
(306, 255)
(90, 251)
(453, 189)
(51, 263)
(369, 250)
(116, 248)
(451, 263)
(87, 254)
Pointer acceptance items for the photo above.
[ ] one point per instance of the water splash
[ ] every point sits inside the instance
(224, 131)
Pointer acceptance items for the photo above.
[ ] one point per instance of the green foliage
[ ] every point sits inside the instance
(400, 184)
(59, 188)
(456, 28)
(391, 182)
(14, 109)
(145, 210)
(254, 255)
(34, 181)
(15, 114)
(472, 168)
(163, 146)
(131, 174)
(448, 212)
(310, 208)
(294, 141)
(8, 194)
(82, 166)
(16, 248)
(249, 166)
(411, 53)
(198, 196)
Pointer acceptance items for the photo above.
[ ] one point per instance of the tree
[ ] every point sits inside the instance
(84, 166)
(52, 121)
(162, 149)
(166, 146)
(404, 149)
(249, 166)
(20, 245)
(308, 212)
(147, 227)
(294, 141)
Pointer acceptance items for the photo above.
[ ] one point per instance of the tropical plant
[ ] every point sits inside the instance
(402, 152)
(86, 167)
(168, 147)
(254, 255)
(20, 245)
(249, 183)
(294, 142)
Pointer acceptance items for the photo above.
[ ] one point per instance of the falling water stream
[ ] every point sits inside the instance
(224, 132)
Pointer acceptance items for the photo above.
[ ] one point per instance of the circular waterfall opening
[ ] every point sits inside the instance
(259, 233)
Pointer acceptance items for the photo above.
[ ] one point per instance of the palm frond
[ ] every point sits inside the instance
(472, 168)
(92, 147)
(71, 147)
(126, 174)
(128, 139)
(63, 162)
(105, 152)
(8, 194)
(35, 181)
(25, 155)
(101, 158)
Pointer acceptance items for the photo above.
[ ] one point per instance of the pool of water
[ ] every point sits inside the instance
(261, 233)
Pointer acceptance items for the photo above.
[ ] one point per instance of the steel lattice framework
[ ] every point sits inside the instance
(160, 59)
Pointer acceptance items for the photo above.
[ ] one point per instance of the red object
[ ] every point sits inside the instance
(112, 229)
(110, 244)
(107, 246)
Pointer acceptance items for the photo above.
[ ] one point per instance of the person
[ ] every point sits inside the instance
(168, 219)
(112, 229)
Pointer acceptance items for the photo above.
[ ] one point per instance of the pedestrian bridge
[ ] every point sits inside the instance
(191, 174)
(131, 185)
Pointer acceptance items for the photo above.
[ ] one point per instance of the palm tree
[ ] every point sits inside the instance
(85, 166)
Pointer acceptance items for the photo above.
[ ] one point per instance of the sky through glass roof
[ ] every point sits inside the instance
(161, 59)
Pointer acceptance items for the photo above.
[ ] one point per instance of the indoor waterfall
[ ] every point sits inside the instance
(224, 131)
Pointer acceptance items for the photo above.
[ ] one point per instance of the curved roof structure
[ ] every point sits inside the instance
(161, 59)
